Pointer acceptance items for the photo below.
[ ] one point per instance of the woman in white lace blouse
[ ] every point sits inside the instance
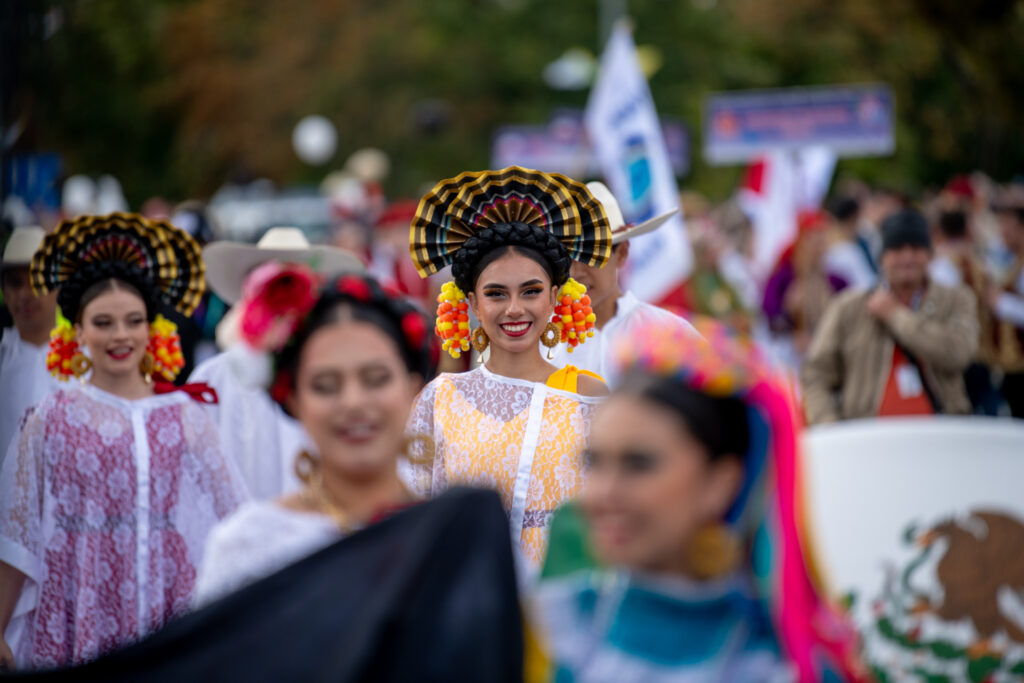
(348, 361)
(111, 487)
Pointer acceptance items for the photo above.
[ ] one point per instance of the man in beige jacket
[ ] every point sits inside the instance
(898, 349)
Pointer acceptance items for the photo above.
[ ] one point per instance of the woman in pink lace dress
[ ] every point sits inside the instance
(110, 489)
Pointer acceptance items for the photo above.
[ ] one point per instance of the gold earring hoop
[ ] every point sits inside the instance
(305, 467)
(714, 551)
(146, 366)
(480, 339)
(81, 364)
(550, 338)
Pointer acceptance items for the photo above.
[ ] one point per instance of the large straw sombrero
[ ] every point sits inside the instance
(228, 263)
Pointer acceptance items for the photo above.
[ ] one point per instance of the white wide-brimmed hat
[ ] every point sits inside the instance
(22, 245)
(621, 231)
(228, 263)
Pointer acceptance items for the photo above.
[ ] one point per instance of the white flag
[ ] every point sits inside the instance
(627, 139)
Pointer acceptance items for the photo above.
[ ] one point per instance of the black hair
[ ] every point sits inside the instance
(905, 228)
(489, 244)
(352, 297)
(845, 208)
(93, 279)
(953, 223)
(720, 424)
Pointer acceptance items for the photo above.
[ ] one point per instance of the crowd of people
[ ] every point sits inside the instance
(234, 408)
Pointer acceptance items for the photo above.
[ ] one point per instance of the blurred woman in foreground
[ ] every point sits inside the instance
(701, 574)
(348, 360)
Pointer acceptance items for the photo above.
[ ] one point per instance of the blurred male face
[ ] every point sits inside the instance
(602, 283)
(33, 316)
(906, 267)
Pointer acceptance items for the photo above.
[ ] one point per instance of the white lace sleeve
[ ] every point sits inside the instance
(423, 452)
(218, 475)
(22, 479)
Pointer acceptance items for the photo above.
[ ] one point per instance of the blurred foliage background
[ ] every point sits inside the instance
(176, 96)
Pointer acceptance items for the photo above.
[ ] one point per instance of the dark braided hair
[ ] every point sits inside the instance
(360, 298)
(488, 244)
(92, 279)
(720, 423)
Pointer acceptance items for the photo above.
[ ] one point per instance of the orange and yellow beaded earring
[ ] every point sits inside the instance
(65, 359)
(573, 315)
(453, 320)
(163, 353)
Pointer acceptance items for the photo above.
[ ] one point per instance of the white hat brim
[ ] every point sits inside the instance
(650, 225)
(228, 264)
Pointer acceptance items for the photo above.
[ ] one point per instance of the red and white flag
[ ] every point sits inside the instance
(775, 188)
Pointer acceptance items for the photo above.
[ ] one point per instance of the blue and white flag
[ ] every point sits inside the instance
(627, 139)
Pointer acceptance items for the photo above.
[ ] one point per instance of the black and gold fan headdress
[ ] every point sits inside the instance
(458, 208)
(151, 253)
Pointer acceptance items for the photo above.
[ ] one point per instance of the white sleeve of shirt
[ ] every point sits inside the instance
(1010, 307)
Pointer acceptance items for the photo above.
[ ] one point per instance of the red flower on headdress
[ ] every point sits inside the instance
(276, 297)
(414, 328)
(355, 287)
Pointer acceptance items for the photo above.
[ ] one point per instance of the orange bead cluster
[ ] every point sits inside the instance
(63, 347)
(573, 315)
(453, 320)
(165, 346)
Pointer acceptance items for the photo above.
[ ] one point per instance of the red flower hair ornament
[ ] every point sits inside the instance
(275, 300)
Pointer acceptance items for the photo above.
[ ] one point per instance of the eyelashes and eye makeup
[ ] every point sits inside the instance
(104, 321)
(631, 461)
(530, 288)
(370, 377)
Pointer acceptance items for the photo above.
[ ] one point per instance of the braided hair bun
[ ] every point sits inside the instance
(471, 258)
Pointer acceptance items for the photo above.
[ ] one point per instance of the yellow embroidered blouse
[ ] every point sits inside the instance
(523, 439)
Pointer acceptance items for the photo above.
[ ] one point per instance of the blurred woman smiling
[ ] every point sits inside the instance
(688, 507)
(348, 361)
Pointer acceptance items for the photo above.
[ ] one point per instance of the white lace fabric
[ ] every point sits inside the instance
(523, 439)
(259, 539)
(105, 505)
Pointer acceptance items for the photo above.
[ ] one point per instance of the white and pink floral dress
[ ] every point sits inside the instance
(105, 506)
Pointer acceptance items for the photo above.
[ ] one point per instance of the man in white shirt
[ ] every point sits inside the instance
(254, 431)
(24, 379)
(619, 313)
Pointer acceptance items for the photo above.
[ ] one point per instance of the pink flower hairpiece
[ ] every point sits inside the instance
(275, 299)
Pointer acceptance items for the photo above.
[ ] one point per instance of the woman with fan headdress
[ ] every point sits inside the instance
(110, 488)
(516, 423)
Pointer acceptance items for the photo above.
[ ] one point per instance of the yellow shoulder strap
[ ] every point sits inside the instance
(567, 378)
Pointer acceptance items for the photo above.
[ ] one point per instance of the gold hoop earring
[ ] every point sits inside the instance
(480, 339)
(550, 338)
(146, 366)
(305, 467)
(714, 551)
(81, 364)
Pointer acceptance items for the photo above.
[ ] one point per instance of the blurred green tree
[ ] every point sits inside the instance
(176, 96)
